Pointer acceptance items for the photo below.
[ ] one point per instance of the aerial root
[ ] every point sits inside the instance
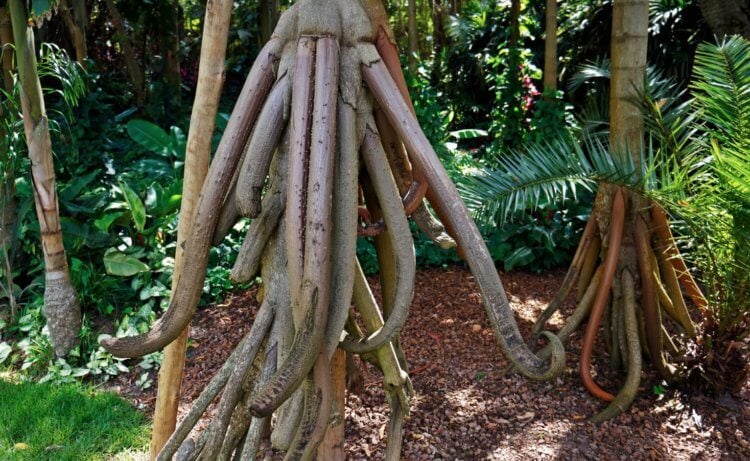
(300, 126)
(259, 232)
(397, 227)
(670, 252)
(259, 151)
(589, 234)
(627, 393)
(395, 378)
(588, 265)
(672, 286)
(446, 201)
(189, 286)
(344, 241)
(318, 400)
(249, 345)
(650, 300)
(608, 274)
(312, 297)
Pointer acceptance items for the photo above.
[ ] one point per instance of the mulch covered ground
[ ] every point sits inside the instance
(464, 408)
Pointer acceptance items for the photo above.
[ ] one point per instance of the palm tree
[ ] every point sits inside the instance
(695, 166)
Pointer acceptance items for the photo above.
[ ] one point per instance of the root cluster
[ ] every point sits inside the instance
(634, 294)
(322, 146)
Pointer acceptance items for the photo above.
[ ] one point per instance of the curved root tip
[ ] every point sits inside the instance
(557, 360)
(158, 337)
(556, 364)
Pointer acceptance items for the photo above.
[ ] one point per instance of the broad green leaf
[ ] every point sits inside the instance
(519, 257)
(179, 142)
(5, 351)
(74, 187)
(468, 134)
(123, 265)
(137, 210)
(106, 220)
(149, 135)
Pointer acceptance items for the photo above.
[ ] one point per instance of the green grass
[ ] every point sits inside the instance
(67, 422)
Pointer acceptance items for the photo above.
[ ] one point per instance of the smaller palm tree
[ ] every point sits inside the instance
(694, 168)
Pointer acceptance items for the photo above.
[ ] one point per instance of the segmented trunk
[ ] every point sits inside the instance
(75, 20)
(60, 299)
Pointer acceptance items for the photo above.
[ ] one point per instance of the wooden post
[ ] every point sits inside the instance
(332, 447)
(205, 106)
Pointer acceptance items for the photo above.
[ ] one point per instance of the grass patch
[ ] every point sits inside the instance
(66, 422)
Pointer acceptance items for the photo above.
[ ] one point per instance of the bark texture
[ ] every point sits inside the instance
(61, 305)
(202, 119)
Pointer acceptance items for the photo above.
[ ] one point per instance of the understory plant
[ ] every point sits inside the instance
(694, 165)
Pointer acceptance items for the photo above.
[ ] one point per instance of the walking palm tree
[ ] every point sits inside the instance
(695, 167)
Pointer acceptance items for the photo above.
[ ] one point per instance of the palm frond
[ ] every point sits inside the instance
(551, 171)
(722, 95)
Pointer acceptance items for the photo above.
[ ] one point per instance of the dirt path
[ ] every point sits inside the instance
(465, 409)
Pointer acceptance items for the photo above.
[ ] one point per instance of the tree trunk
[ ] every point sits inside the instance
(629, 47)
(60, 300)
(75, 20)
(7, 167)
(269, 16)
(6, 42)
(550, 47)
(170, 45)
(413, 43)
(727, 17)
(131, 62)
(205, 106)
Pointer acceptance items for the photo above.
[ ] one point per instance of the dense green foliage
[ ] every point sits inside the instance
(68, 422)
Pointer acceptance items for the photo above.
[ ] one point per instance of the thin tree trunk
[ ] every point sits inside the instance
(7, 167)
(413, 43)
(131, 63)
(205, 106)
(727, 17)
(629, 47)
(6, 44)
(550, 47)
(170, 45)
(76, 29)
(269, 16)
(60, 300)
